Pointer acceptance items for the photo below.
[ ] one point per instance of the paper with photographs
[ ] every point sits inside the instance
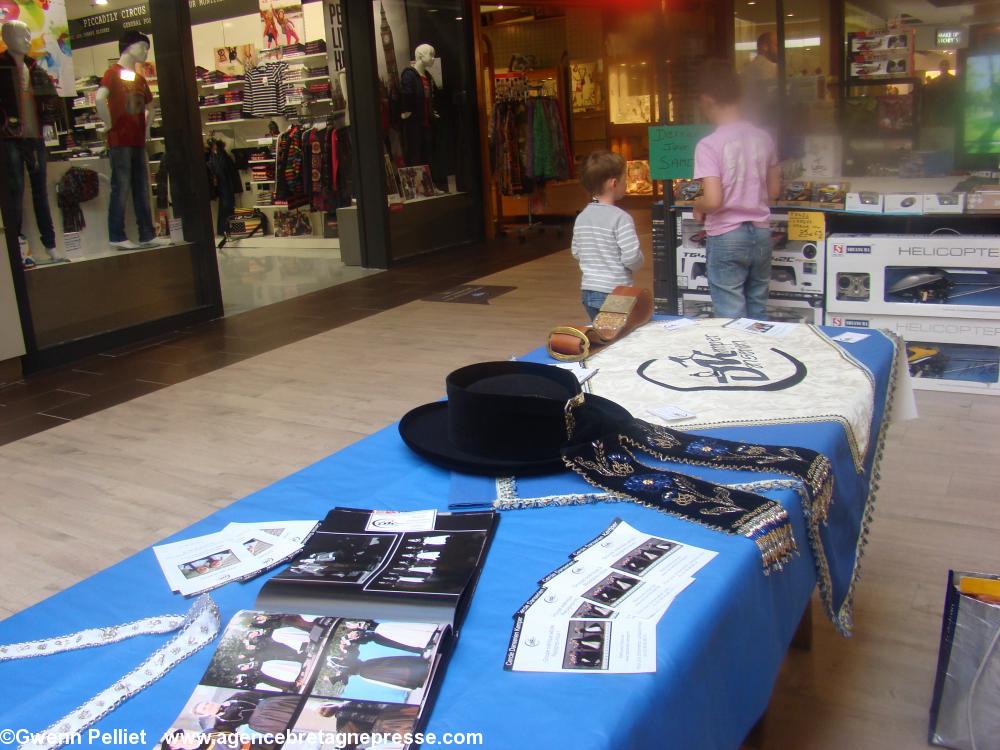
(237, 553)
(304, 679)
(539, 644)
(417, 575)
(625, 549)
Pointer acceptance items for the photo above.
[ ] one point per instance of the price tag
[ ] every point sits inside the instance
(72, 243)
(806, 226)
(220, 86)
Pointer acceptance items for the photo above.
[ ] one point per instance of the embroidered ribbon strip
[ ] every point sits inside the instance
(666, 444)
(609, 464)
(195, 630)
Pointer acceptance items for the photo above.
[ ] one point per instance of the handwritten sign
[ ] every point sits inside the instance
(806, 226)
(671, 150)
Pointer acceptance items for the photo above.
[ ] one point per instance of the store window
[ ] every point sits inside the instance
(87, 122)
(273, 108)
(428, 124)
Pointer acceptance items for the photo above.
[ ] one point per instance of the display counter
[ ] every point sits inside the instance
(93, 238)
(111, 292)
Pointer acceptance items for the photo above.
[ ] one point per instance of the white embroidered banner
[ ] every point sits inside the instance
(730, 377)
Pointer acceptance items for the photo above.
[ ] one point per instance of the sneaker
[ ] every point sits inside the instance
(125, 245)
(157, 242)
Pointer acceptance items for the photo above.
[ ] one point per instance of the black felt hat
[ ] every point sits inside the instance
(504, 418)
(131, 37)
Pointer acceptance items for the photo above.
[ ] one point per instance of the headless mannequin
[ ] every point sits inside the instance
(24, 147)
(126, 145)
(417, 108)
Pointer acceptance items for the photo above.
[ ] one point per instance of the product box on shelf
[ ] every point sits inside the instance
(944, 354)
(830, 195)
(864, 202)
(797, 267)
(903, 203)
(944, 203)
(686, 192)
(699, 305)
(796, 193)
(987, 201)
(941, 275)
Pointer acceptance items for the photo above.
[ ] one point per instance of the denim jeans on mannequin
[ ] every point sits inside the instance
(128, 173)
(28, 154)
(739, 272)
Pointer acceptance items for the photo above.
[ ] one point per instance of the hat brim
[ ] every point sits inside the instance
(425, 432)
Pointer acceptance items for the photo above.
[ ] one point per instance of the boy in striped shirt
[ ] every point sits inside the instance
(604, 240)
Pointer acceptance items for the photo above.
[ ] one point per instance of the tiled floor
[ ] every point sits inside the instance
(134, 473)
(45, 400)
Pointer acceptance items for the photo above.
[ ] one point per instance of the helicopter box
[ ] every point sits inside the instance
(699, 305)
(797, 267)
(961, 355)
(944, 275)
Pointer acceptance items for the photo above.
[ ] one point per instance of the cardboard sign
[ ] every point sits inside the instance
(671, 150)
(807, 226)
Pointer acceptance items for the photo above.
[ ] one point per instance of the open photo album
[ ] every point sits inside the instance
(385, 594)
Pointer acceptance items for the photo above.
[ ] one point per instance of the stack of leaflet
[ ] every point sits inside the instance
(598, 613)
(237, 553)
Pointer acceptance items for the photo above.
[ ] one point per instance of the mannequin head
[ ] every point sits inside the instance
(424, 56)
(17, 37)
(135, 45)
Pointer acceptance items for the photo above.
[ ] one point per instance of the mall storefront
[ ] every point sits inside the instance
(317, 140)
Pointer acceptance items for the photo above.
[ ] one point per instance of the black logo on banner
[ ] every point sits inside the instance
(726, 367)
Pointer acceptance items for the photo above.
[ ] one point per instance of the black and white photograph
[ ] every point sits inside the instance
(588, 611)
(224, 717)
(434, 562)
(341, 558)
(323, 716)
(611, 589)
(268, 653)
(208, 564)
(381, 662)
(639, 560)
(586, 645)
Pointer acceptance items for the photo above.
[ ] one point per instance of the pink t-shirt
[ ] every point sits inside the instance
(740, 154)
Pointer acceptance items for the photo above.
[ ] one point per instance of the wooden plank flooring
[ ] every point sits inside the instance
(132, 473)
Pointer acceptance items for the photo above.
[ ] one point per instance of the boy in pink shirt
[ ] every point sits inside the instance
(740, 174)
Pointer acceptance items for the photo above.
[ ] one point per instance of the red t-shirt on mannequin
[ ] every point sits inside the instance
(127, 102)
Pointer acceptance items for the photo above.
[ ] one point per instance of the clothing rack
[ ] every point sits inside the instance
(518, 95)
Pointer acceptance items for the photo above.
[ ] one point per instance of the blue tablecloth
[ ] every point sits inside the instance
(719, 646)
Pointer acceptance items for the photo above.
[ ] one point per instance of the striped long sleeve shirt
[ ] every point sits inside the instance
(606, 247)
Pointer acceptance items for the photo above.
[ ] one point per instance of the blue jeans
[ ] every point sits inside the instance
(29, 154)
(592, 301)
(128, 172)
(739, 272)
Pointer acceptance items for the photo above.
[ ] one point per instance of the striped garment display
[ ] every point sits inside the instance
(606, 247)
(264, 90)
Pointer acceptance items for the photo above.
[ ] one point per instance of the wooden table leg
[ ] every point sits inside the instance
(803, 638)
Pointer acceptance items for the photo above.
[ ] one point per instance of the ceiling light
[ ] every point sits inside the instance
(99, 2)
(751, 2)
(790, 15)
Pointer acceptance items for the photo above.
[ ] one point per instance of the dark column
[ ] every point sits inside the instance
(366, 134)
(181, 130)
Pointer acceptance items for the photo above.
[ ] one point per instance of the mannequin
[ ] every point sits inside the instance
(417, 108)
(123, 103)
(28, 100)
